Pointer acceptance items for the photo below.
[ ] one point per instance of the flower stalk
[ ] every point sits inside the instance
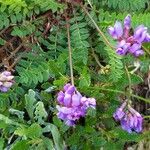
(130, 86)
(70, 51)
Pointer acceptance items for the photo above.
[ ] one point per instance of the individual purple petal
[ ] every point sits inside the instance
(119, 114)
(67, 86)
(8, 78)
(70, 90)
(147, 38)
(138, 120)
(3, 89)
(91, 102)
(138, 128)
(64, 110)
(140, 33)
(111, 31)
(6, 73)
(125, 125)
(127, 22)
(138, 53)
(84, 102)
(127, 26)
(131, 120)
(70, 123)
(60, 97)
(67, 100)
(76, 100)
(116, 32)
(135, 120)
(122, 47)
(118, 29)
(134, 48)
(3, 78)
(121, 51)
(61, 115)
(7, 84)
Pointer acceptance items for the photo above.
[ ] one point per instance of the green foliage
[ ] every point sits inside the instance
(127, 5)
(40, 113)
(25, 6)
(116, 65)
(79, 36)
(56, 136)
(28, 110)
(32, 72)
(30, 101)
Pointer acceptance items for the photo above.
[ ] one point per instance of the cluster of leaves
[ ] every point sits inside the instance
(28, 110)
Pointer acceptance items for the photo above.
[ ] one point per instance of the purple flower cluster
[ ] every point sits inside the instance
(6, 81)
(130, 119)
(128, 43)
(72, 105)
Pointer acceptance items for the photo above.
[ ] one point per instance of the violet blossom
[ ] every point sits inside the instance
(6, 81)
(129, 118)
(72, 105)
(128, 43)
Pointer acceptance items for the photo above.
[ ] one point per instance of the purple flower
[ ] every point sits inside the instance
(127, 26)
(130, 119)
(129, 43)
(138, 53)
(6, 81)
(127, 22)
(122, 47)
(72, 105)
(119, 114)
(140, 33)
(138, 120)
(125, 123)
(147, 38)
(116, 32)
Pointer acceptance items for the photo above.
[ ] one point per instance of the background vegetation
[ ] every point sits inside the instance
(34, 46)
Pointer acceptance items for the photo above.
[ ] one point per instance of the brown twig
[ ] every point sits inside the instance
(12, 54)
(14, 63)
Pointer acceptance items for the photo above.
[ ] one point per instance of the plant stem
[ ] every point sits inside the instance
(130, 85)
(70, 52)
(96, 58)
(98, 29)
(120, 92)
(146, 50)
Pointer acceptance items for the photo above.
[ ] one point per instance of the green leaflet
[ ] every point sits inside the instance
(40, 113)
(56, 136)
(116, 65)
(30, 101)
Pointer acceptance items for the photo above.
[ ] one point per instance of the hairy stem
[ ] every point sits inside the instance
(70, 52)
(120, 92)
(96, 58)
(130, 85)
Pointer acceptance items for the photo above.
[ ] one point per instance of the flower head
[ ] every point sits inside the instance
(129, 43)
(72, 105)
(130, 119)
(6, 81)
